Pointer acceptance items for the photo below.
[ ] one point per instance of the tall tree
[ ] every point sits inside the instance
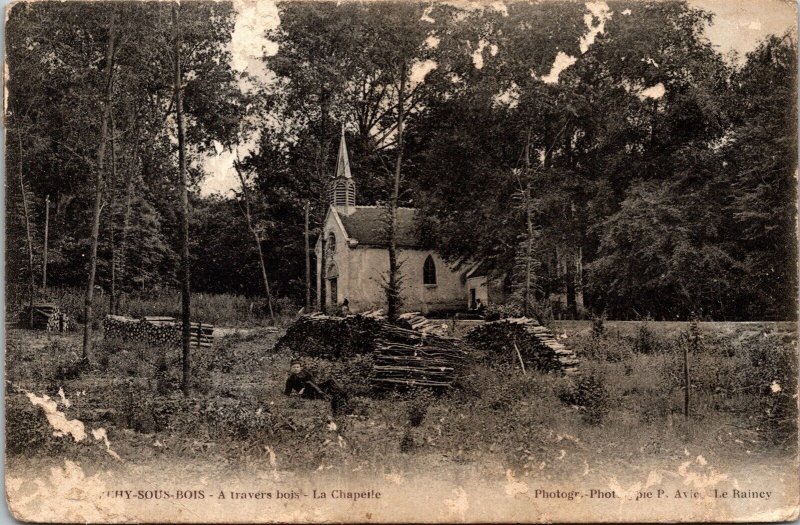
(184, 200)
(254, 230)
(98, 183)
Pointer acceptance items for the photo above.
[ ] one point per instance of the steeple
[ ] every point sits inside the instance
(343, 162)
(343, 187)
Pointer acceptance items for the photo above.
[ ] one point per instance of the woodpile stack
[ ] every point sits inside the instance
(524, 339)
(416, 321)
(402, 356)
(405, 357)
(160, 331)
(46, 317)
(320, 335)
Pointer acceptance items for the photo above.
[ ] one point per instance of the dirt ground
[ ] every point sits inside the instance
(516, 453)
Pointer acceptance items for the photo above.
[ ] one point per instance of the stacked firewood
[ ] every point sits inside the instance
(160, 331)
(320, 335)
(523, 339)
(46, 317)
(405, 357)
(417, 321)
(402, 356)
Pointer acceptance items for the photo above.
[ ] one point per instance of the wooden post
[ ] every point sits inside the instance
(199, 333)
(44, 252)
(519, 355)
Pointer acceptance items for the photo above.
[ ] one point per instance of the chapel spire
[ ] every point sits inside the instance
(343, 161)
(343, 187)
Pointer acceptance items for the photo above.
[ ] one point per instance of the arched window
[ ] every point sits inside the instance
(331, 243)
(429, 271)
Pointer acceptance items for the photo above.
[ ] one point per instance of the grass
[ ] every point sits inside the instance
(625, 409)
(217, 309)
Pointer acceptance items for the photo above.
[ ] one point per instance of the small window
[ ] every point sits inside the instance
(429, 271)
(331, 243)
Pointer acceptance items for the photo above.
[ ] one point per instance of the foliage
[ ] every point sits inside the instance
(591, 395)
(686, 197)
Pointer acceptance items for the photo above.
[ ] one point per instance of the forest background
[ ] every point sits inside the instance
(665, 166)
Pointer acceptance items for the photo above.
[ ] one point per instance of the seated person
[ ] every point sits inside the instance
(480, 308)
(302, 382)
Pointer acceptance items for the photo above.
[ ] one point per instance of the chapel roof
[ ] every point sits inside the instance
(366, 225)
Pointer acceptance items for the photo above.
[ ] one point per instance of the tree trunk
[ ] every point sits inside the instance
(31, 283)
(112, 296)
(184, 198)
(569, 277)
(256, 237)
(323, 300)
(322, 159)
(98, 189)
(44, 248)
(126, 218)
(529, 224)
(308, 257)
(393, 290)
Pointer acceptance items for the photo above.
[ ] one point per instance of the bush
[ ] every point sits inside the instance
(774, 370)
(646, 341)
(351, 374)
(27, 429)
(589, 393)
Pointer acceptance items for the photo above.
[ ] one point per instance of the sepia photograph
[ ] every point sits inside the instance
(401, 261)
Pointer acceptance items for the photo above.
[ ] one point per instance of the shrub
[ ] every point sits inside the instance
(237, 419)
(590, 393)
(351, 374)
(646, 341)
(774, 372)
(598, 326)
(27, 430)
(418, 408)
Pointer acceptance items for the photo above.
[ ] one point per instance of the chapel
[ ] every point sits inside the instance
(356, 258)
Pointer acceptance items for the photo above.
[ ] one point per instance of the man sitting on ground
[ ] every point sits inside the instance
(301, 381)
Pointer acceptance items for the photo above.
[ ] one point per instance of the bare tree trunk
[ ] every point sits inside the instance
(322, 158)
(308, 257)
(569, 277)
(393, 290)
(31, 284)
(126, 218)
(112, 296)
(98, 189)
(256, 236)
(529, 224)
(184, 197)
(323, 299)
(44, 248)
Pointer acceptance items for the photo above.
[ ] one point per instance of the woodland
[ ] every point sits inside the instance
(615, 134)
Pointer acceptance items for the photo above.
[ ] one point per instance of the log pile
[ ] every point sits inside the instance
(402, 356)
(320, 335)
(46, 317)
(416, 321)
(525, 339)
(405, 357)
(160, 331)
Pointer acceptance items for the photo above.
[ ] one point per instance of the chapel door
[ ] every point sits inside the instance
(472, 298)
(334, 291)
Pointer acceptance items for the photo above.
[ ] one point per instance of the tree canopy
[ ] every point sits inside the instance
(660, 174)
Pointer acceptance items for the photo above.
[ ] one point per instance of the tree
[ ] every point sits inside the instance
(255, 232)
(29, 238)
(98, 183)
